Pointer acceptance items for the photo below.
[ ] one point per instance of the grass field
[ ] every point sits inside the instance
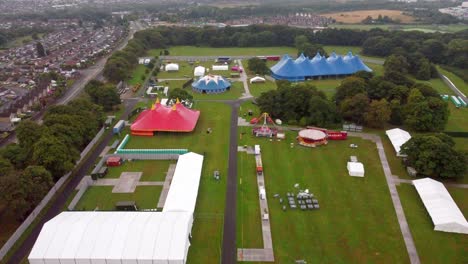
(235, 92)
(356, 214)
(231, 51)
(256, 89)
(352, 17)
(415, 27)
(146, 197)
(209, 212)
(153, 170)
(459, 83)
(136, 75)
(185, 70)
(434, 246)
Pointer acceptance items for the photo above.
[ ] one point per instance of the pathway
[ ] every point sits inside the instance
(244, 80)
(452, 86)
(404, 227)
(166, 185)
(265, 253)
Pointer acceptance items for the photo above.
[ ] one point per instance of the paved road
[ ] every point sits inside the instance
(59, 203)
(404, 227)
(452, 86)
(229, 250)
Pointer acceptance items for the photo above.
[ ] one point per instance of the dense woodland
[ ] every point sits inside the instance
(44, 153)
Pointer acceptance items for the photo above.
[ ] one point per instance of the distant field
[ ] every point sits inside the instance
(424, 28)
(358, 16)
(232, 51)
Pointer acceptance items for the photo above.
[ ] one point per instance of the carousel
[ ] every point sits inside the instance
(312, 137)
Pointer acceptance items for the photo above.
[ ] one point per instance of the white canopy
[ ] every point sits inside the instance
(199, 71)
(182, 195)
(355, 169)
(398, 137)
(220, 67)
(114, 237)
(172, 67)
(443, 210)
(257, 79)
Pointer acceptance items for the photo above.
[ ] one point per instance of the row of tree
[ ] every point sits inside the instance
(103, 94)
(46, 152)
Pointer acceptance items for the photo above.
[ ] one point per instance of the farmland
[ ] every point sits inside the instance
(353, 17)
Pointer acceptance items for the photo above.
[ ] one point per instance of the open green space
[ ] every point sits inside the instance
(408, 27)
(137, 73)
(101, 197)
(355, 215)
(237, 88)
(458, 119)
(20, 41)
(256, 89)
(437, 84)
(457, 81)
(153, 170)
(209, 212)
(185, 69)
(249, 235)
(434, 246)
(231, 51)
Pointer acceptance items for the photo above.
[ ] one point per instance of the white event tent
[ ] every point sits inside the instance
(257, 79)
(172, 67)
(355, 169)
(126, 237)
(443, 210)
(398, 137)
(199, 71)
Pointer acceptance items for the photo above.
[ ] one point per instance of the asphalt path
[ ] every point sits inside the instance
(59, 203)
(229, 250)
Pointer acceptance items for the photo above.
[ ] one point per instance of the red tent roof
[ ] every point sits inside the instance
(177, 118)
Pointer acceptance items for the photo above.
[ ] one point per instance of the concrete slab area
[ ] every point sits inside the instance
(104, 151)
(127, 182)
(166, 185)
(255, 254)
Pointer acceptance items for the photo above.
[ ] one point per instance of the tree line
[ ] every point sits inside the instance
(44, 153)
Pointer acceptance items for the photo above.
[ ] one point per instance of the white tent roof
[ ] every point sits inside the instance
(443, 210)
(182, 195)
(355, 169)
(220, 67)
(398, 137)
(172, 67)
(114, 236)
(257, 79)
(199, 71)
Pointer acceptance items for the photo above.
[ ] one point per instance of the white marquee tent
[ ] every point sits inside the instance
(220, 67)
(114, 237)
(443, 210)
(355, 169)
(199, 71)
(182, 195)
(126, 237)
(257, 79)
(398, 137)
(172, 67)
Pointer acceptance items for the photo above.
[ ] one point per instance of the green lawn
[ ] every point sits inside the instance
(256, 89)
(416, 27)
(356, 214)
(231, 51)
(153, 170)
(146, 197)
(328, 86)
(249, 235)
(458, 119)
(235, 92)
(439, 85)
(136, 74)
(459, 83)
(185, 70)
(434, 246)
(209, 213)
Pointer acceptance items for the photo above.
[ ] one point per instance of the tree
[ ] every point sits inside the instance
(322, 112)
(27, 133)
(258, 66)
(55, 156)
(433, 156)
(425, 114)
(6, 168)
(378, 113)
(41, 51)
(349, 87)
(37, 181)
(180, 94)
(424, 71)
(396, 63)
(13, 194)
(102, 94)
(354, 108)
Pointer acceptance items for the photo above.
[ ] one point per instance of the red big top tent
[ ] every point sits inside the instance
(177, 118)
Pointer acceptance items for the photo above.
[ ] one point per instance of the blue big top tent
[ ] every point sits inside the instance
(211, 84)
(304, 68)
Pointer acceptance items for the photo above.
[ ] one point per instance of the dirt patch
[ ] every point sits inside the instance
(353, 17)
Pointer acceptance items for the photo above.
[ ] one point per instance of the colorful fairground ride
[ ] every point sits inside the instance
(265, 127)
(315, 136)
